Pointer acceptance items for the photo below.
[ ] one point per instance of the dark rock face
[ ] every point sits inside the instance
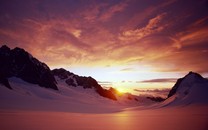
(106, 93)
(61, 73)
(175, 87)
(113, 90)
(156, 99)
(179, 81)
(70, 82)
(129, 97)
(5, 82)
(19, 63)
(86, 82)
(65, 75)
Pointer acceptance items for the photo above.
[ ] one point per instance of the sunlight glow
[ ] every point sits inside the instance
(121, 90)
(126, 78)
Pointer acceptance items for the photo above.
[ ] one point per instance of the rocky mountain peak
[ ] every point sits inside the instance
(187, 81)
(19, 63)
(74, 80)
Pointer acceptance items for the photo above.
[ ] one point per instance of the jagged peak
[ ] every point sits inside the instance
(63, 73)
(190, 78)
(61, 70)
(21, 51)
(19, 63)
(193, 74)
(18, 49)
(5, 47)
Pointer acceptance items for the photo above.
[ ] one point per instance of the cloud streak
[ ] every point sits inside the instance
(153, 92)
(127, 69)
(153, 26)
(158, 80)
(105, 83)
(113, 10)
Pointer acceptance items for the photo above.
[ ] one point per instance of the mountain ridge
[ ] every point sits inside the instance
(19, 63)
(191, 89)
(180, 80)
(74, 80)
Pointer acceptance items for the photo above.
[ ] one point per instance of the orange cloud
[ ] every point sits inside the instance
(158, 80)
(190, 37)
(127, 69)
(147, 13)
(112, 10)
(189, 52)
(154, 25)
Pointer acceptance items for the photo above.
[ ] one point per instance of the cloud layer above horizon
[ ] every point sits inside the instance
(162, 36)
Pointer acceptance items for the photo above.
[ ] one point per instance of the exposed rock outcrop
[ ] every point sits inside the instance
(85, 82)
(19, 63)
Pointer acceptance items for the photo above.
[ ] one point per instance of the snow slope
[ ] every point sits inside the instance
(32, 107)
(27, 96)
(192, 89)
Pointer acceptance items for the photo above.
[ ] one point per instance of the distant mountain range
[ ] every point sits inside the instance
(17, 62)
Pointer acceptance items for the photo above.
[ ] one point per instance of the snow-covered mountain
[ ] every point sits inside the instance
(28, 79)
(19, 63)
(73, 80)
(88, 84)
(191, 89)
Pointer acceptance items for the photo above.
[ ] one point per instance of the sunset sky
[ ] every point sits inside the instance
(127, 44)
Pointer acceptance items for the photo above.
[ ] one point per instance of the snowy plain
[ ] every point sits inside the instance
(30, 107)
